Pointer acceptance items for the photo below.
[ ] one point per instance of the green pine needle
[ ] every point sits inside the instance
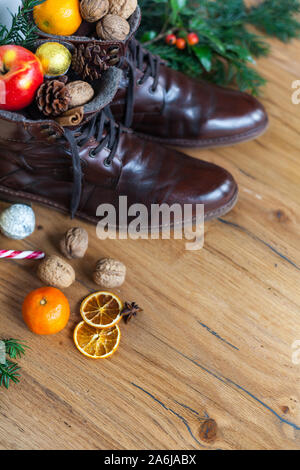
(9, 372)
(227, 47)
(276, 18)
(15, 348)
(22, 31)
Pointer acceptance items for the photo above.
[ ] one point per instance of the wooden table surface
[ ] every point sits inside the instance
(215, 339)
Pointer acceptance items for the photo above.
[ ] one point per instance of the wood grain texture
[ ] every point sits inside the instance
(215, 339)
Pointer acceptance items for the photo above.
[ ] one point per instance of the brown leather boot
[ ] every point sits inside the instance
(166, 106)
(77, 170)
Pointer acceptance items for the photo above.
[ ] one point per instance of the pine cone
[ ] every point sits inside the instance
(53, 98)
(88, 62)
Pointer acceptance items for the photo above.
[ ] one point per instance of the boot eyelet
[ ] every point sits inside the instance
(52, 137)
(106, 162)
(114, 61)
(92, 153)
(45, 130)
(139, 82)
(114, 50)
(151, 90)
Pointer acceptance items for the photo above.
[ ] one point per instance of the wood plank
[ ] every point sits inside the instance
(215, 339)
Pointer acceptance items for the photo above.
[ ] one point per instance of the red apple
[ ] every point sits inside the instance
(21, 74)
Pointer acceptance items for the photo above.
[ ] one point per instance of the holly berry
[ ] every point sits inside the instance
(171, 39)
(192, 39)
(180, 43)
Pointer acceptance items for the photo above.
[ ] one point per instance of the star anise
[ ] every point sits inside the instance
(131, 309)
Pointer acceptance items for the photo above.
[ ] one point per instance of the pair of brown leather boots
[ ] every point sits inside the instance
(119, 150)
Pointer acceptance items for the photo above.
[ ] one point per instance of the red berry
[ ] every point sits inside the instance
(192, 39)
(181, 43)
(171, 39)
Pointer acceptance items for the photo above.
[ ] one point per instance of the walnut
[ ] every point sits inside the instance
(123, 8)
(109, 273)
(80, 93)
(56, 272)
(74, 243)
(93, 10)
(113, 28)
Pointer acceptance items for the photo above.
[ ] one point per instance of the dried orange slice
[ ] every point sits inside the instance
(96, 343)
(101, 309)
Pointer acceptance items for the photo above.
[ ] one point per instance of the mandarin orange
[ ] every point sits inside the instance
(46, 311)
(57, 17)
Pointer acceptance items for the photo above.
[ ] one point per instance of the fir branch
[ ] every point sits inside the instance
(22, 31)
(276, 18)
(9, 372)
(227, 48)
(15, 348)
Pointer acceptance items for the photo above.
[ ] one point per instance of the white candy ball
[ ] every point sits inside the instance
(17, 221)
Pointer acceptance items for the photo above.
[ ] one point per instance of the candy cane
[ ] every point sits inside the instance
(11, 254)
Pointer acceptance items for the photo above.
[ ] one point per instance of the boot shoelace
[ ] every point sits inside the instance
(102, 123)
(138, 58)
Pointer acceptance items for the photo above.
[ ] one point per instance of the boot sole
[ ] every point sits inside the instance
(210, 143)
(8, 195)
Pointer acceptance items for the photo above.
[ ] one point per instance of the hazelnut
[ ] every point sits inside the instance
(92, 10)
(109, 273)
(74, 243)
(80, 93)
(56, 272)
(123, 8)
(113, 28)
